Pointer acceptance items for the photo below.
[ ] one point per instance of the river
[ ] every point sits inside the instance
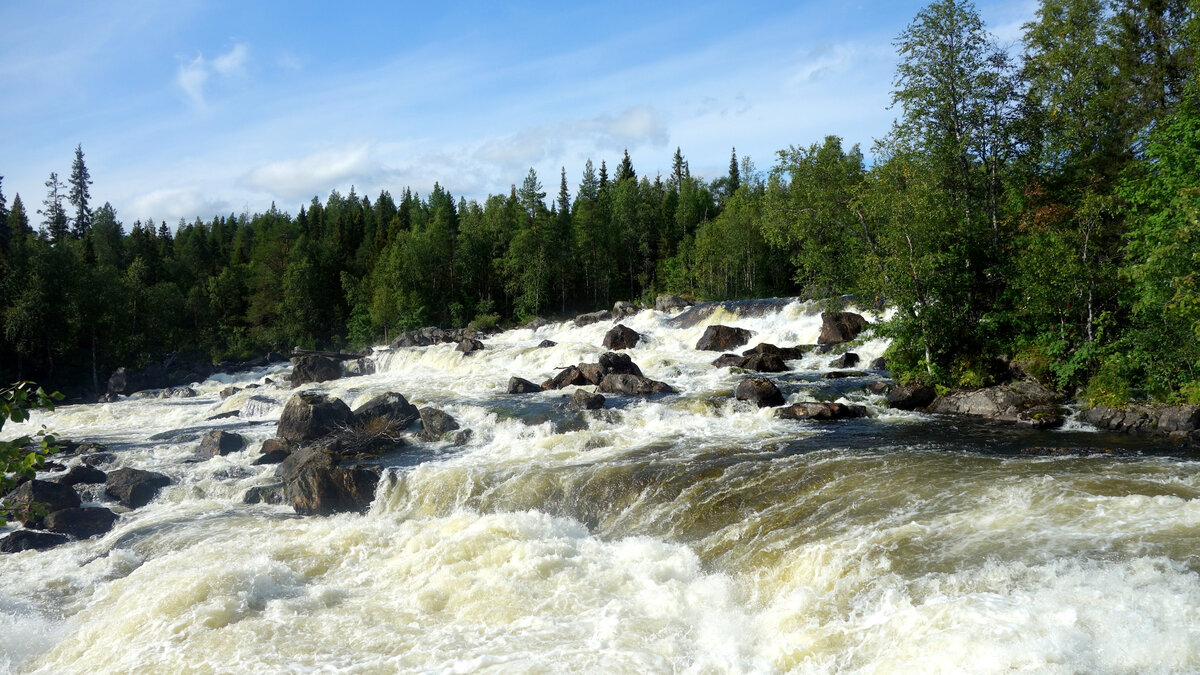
(686, 533)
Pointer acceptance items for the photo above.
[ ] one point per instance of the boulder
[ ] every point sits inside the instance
(469, 346)
(785, 353)
(81, 523)
(632, 385)
(81, 474)
(879, 364)
(535, 323)
(224, 416)
(842, 374)
(764, 363)
(264, 494)
(273, 451)
(314, 368)
(814, 410)
(729, 361)
(518, 385)
(592, 372)
(878, 388)
(593, 317)
(760, 391)
(391, 409)
(718, 338)
(847, 360)
(1012, 402)
(911, 396)
(315, 483)
(435, 424)
(621, 337)
(28, 540)
(667, 303)
(310, 415)
(567, 377)
(1178, 418)
(1177, 421)
(612, 362)
(586, 400)
(221, 442)
(53, 496)
(546, 343)
(134, 488)
(178, 392)
(623, 310)
(838, 327)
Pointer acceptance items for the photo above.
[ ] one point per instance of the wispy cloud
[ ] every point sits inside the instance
(317, 172)
(171, 204)
(193, 75)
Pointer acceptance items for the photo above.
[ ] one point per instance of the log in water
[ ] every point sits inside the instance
(680, 533)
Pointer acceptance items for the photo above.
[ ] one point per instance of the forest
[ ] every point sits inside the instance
(1032, 203)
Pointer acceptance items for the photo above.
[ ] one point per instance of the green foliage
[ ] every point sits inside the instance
(19, 457)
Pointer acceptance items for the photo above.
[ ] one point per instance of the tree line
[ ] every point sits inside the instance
(1032, 204)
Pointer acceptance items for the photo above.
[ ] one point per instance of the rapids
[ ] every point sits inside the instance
(685, 533)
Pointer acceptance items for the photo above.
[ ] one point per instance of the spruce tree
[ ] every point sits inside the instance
(5, 232)
(54, 218)
(735, 179)
(677, 169)
(625, 169)
(79, 194)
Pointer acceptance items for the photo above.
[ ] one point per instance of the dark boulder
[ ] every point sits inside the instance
(314, 368)
(785, 353)
(547, 343)
(518, 385)
(316, 483)
(585, 400)
(814, 410)
(221, 442)
(911, 396)
(435, 424)
(1179, 422)
(612, 362)
(842, 374)
(469, 346)
(667, 303)
(718, 338)
(621, 337)
(390, 409)
(592, 372)
(879, 364)
(1026, 402)
(593, 317)
(729, 361)
(632, 385)
(273, 451)
(81, 474)
(134, 488)
(224, 416)
(81, 523)
(567, 377)
(28, 540)
(178, 392)
(878, 388)
(623, 310)
(310, 415)
(264, 494)
(764, 363)
(847, 360)
(760, 391)
(53, 496)
(838, 327)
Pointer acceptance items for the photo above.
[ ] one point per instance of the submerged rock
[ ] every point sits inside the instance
(310, 415)
(838, 327)
(621, 337)
(134, 488)
(544, 344)
(759, 390)
(718, 338)
(315, 483)
(815, 410)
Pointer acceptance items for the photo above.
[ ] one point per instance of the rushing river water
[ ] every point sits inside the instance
(686, 533)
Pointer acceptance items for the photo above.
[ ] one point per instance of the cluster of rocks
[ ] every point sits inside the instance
(175, 372)
(53, 513)
(431, 335)
(1180, 423)
(613, 373)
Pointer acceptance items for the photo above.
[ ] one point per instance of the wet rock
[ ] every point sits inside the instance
(1181, 422)
(178, 392)
(228, 391)
(264, 494)
(667, 303)
(764, 363)
(820, 411)
(593, 317)
(221, 442)
(224, 416)
(911, 396)
(785, 353)
(314, 368)
(567, 377)
(81, 474)
(435, 424)
(469, 346)
(612, 362)
(1005, 403)
(842, 374)
(258, 405)
(81, 523)
(53, 496)
(623, 309)
(585, 400)
(390, 408)
(310, 415)
(847, 360)
(1067, 451)
(28, 540)
(838, 327)
(273, 451)
(52, 467)
(98, 458)
(358, 367)
(878, 388)
(518, 385)
(760, 391)
(316, 483)
(621, 337)
(535, 323)
(547, 343)
(632, 385)
(718, 338)
(728, 361)
(134, 488)
(1042, 417)
(879, 364)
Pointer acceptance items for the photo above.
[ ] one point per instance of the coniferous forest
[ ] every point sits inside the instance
(1035, 202)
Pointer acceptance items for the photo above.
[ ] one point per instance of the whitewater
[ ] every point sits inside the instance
(684, 533)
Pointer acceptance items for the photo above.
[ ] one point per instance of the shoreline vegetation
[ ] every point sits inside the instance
(1032, 208)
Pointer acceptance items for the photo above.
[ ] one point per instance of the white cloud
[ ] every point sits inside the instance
(233, 62)
(316, 173)
(171, 204)
(191, 78)
(194, 75)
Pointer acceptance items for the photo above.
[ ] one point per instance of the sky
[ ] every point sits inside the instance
(194, 108)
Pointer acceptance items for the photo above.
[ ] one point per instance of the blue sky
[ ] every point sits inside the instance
(192, 108)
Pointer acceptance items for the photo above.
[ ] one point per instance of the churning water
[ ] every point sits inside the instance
(687, 533)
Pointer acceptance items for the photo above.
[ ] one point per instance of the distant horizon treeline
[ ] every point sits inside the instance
(1038, 208)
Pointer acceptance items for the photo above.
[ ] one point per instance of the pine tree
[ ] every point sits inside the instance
(677, 170)
(5, 232)
(625, 169)
(564, 197)
(79, 194)
(18, 220)
(735, 179)
(54, 218)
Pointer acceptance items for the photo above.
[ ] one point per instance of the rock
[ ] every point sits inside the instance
(847, 360)
(28, 540)
(729, 361)
(221, 442)
(264, 494)
(134, 488)
(624, 310)
(273, 451)
(567, 377)
(842, 374)
(53, 496)
(1177, 418)
(98, 458)
(879, 364)
(358, 367)
(228, 391)
(612, 362)
(535, 323)
(718, 338)
(81, 523)
(469, 346)
(592, 372)
(258, 405)
(621, 337)
(178, 392)
(838, 327)
(52, 467)
(518, 385)
(585, 400)
(593, 317)
(632, 385)
(314, 368)
(667, 303)
(1042, 417)
(911, 396)
(785, 353)
(81, 474)
(759, 390)
(878, 388)
(1005, 403)
(764, 363)
(391, 407)
(435, 424)
(813, 410)
(224, 415)
(547, 343)
(310, 415)
(1176, 421)
(315, 483)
